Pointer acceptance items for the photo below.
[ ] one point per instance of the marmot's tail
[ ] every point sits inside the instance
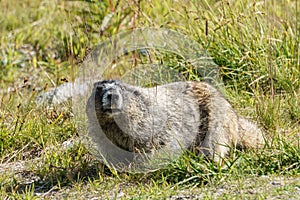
(251, 135)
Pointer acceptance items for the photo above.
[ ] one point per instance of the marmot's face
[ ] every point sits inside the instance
(109, 95)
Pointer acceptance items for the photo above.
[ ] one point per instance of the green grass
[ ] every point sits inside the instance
(255, 44)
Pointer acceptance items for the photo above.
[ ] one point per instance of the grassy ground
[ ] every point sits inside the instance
(255, 44)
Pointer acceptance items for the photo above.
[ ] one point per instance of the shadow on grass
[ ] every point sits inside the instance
(40, 183)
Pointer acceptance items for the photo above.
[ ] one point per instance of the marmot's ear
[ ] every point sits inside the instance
(136, 93)
(96, 84)
(102, 83)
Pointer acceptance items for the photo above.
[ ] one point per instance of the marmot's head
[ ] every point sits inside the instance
(109, 97)
(121, 110)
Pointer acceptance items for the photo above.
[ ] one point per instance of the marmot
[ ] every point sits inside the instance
(190, 115)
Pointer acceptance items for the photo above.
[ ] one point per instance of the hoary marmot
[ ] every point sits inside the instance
(192, 115)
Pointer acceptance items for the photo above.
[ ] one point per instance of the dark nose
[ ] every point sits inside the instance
(112, 97)
(112, 100)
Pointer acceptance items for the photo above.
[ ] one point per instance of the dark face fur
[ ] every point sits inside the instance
(109, 94)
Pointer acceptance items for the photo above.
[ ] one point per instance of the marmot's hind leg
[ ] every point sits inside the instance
(222, 131)
(216, 144)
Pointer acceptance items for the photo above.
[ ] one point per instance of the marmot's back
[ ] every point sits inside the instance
(169, 117)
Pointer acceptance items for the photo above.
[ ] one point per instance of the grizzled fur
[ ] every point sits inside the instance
(191, 115)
